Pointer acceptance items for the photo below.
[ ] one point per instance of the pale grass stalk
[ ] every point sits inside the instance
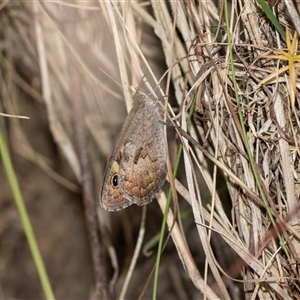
(184, 252)
(198, 216)
(120, 54)
(135, 255)
(85, 68)
(19, 81)
(58, 131)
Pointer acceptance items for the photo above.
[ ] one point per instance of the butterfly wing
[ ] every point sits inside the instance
(137, 168)
(111, 198)
(143, 164)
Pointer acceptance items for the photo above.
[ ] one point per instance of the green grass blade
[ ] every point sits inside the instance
(164, 222)
(269, 13)
(24, 218)
(244, 132)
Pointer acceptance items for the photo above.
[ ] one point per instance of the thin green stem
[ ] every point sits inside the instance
(24, 218)
(244, 132)
(164, 222)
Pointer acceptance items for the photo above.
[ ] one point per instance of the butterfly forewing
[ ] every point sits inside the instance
(137, 168)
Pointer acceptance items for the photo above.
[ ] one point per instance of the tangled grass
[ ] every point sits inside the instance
(223, 66)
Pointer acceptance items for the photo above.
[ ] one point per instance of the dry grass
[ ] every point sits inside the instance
(245, 125)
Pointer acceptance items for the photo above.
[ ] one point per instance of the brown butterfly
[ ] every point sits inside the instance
(136, 169)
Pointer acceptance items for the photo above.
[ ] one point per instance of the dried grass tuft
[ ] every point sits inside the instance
(245, 123)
